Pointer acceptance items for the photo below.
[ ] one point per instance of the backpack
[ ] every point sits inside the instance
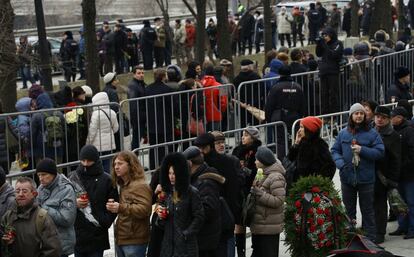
(53, 130)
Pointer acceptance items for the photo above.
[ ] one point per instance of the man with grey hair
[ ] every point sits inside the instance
(28, 229)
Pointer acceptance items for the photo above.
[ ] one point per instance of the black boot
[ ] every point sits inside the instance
(241, 245)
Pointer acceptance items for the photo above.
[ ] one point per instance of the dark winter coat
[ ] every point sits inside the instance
(406, 133)
(98, 185)
(312, 157)
(137, 112)
(112, 95)
(346, 20)
(250, 95)
(29, 242)
(247, 25)
(331, 54)
(389, 165)
(148, 36)
(6, 198)
(120, 43)
(186, 215)
(285, 97)
(160, 108)
(230, 170)
(315, 19)
(209, 182)
(399, 91)
(247, 156)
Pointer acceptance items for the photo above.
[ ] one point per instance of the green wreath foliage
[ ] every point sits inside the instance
(315, 221)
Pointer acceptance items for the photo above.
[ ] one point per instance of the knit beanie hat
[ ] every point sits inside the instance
(253, 132)
(109, 77)
(90, 153)
(35, 90)
(88, 90)
(2, 176)
(204, 140)
(265, 156)
(399, 111)
(401, 72)
(356, 107)
(191, 152)
(47, 165)
(383, 110)
(311, 123)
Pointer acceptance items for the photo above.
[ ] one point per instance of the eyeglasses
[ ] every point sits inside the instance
(24, 191)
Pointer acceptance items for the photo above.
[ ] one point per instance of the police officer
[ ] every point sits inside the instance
(68, 53)
(147, 37)
(285, 102)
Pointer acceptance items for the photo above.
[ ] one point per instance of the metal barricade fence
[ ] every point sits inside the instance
(176, 116)
(332, 124)
(59, 134)
(232, 139)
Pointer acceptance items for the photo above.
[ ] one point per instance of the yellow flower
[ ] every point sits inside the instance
(79, 111)
(71, 117)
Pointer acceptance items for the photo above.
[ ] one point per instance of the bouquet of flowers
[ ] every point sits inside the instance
(314, 218)
(73, 115)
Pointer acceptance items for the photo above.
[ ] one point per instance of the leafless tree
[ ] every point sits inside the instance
(8, 58)
(91, 61)
(223, 45)
(200, 16)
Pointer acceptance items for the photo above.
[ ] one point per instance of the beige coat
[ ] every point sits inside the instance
(268, 217)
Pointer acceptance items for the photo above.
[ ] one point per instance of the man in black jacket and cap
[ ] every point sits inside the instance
(406, 179)
(147, 37)
(208, 182)
(330, 50)
(387, 168)
(249, 94)
(401, 87)
(226, 167)
(285, 102)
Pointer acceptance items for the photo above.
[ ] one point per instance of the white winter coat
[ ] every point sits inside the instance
(102, 127)
(284, 23)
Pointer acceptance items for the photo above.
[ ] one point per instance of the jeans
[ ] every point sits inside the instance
(265, 245)
(406, 223)
(106, 163)
(366, 204)
(131, 250)
(231, 244)
(91, 254)
(26, 75)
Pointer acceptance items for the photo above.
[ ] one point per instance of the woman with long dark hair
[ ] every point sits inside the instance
(310, 151)
(182, 213)
(355, 151)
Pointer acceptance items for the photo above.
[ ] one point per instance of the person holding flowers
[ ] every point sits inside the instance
(93, 188)
(269, 190)
(57, 197)
(134, 206)
(182, 214)
(28, 230)
(355, 151)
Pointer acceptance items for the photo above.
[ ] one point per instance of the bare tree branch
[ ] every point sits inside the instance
(193, 12)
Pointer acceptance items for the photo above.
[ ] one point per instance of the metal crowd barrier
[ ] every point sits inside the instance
(28, 138)
(359, 80)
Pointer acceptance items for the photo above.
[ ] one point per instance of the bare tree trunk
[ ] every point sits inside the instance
(354, 18)
(200, 31)
(381, 17)
(267, 13)
(8, 59)
(91, 60)
(402, 20)
(224, 39)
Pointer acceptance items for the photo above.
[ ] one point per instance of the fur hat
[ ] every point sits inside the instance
(383, 110)
(181, 170)
(47, 165)
(265, 156)
(218, 135)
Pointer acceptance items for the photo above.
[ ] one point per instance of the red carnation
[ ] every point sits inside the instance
(317, 199)
(298, 204)
(310, 220)
(316, 189)
(320, 244)
(312, 228)
(303, 195)
(320, 222)
(327, 212)
(328, 243)
(310, 210)
(329, 229)
(321, 236)
(319, 211)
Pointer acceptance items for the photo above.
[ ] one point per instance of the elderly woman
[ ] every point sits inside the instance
(134, 206)
(269, 190)
(57, 196)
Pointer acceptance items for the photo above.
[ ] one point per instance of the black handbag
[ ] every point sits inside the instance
(249, 209)
(290, 168)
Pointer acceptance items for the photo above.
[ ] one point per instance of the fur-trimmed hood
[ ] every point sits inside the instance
(213, 176)
(182, 173)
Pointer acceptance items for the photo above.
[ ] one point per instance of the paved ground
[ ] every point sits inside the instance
(395, 245)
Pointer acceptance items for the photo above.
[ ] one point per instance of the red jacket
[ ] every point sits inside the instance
(191, 35)
(216, 101)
